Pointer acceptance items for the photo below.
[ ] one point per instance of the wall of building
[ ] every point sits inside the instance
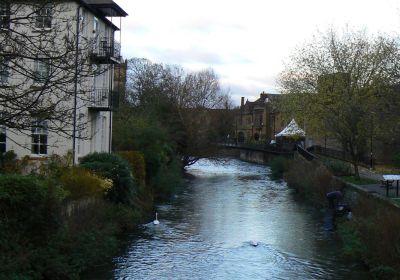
(259, 120)
(93, 126)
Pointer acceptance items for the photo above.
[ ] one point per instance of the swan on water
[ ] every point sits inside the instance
(156, 222)
(254, 243)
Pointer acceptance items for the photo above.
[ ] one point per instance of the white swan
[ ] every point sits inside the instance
(254, 243)
(156, 222)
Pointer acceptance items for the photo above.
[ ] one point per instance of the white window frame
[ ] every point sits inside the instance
(95, 25)
(3, 139)
(39, 137)
(41, 70)
(5, 13)
(44, 17)
(95, 37)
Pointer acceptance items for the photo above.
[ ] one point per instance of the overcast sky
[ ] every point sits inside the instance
(245, 42)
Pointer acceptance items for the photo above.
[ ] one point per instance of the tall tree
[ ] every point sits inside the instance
(338, 84)
(182, 102)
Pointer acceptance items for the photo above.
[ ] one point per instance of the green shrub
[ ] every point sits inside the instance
(396, 159)
(145, 194)
(55, 166)
(372, 236)
(379, 227)
(24, 201)
(166, 180)
(385, 272)
(311, 180)
(137, 162)
(352, 244)
(277, 165)
(65, 253)
(337, 167)
(9, 163)
(82, 183)
(112, 166)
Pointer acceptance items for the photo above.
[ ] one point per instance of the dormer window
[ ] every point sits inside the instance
(5, 16)
(44, 17)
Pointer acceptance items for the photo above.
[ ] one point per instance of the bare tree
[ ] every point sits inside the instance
(44, 64)
(338, 85)
(182, 101)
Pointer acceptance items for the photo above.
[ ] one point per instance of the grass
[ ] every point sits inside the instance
(361, 181)
(396, 201)
(386, 169)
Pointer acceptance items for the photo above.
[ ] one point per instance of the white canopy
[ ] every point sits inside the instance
(292, 129)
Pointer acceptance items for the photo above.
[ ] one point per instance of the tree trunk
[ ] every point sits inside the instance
(356, 172)
(355, 161)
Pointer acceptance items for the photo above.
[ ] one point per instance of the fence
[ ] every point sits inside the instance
(342, 155)
(306, 154)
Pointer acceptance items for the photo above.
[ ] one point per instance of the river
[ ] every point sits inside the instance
(207, 232)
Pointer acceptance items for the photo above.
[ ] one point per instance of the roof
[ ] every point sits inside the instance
(104, 9)
(292, 129)
(107, 7)
(265, 98)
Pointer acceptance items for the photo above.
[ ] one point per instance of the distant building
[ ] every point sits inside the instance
(259, 120)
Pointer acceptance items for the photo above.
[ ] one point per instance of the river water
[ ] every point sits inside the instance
(207, 231)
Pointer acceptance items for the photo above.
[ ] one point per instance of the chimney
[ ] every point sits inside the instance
(242, 102)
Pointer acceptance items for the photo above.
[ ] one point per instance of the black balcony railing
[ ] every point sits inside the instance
(106, 50)
(100, 99)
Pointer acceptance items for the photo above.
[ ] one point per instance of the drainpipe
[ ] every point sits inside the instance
(75, 86)
(111, 78)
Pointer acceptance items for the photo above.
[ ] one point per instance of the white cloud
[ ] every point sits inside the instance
(246, 42)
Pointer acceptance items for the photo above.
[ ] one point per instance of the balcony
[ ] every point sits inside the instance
(106, 51)
(100, 99)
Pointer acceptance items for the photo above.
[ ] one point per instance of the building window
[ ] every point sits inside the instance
(44, 17)
(4, 72)
(5, 16)
(39, 138)
(41, 68)
(95, 25)
(3, 138)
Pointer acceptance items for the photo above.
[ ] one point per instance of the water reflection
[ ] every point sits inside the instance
(205, 233)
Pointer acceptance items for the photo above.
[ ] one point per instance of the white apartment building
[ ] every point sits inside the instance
(56, 76)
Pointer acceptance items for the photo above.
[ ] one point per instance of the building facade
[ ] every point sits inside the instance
(57, 76)
(260, 120)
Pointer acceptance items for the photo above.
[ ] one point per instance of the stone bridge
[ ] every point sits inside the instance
(258, 153)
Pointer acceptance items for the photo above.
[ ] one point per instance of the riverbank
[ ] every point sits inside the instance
(372, 235)
(61, 220)
(206, 232)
